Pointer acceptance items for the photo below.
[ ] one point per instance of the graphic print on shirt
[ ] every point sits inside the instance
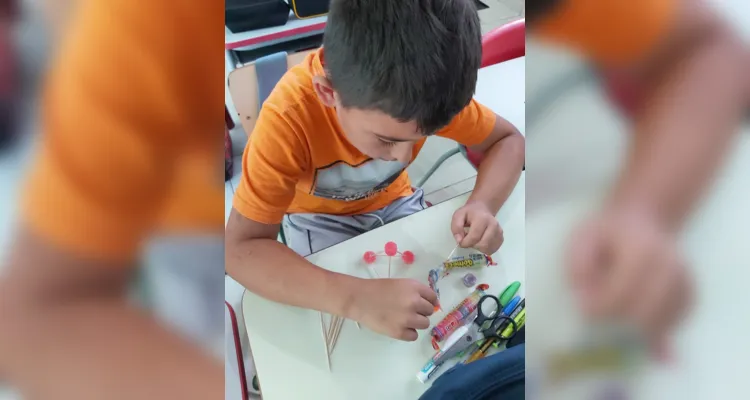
(343, 181)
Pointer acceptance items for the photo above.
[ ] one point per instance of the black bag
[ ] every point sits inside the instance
(309, 8)
(247, 15)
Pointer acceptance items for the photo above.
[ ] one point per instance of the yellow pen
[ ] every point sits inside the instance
(519, 319)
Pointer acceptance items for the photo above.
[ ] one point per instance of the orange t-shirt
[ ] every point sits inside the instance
(298, 159)
(609, 32)
(132, 127)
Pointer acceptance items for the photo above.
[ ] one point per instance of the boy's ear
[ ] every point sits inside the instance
(324, 90)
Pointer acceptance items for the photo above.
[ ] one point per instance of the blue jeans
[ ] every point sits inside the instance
(499, 376)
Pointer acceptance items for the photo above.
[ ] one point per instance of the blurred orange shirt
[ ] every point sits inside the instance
(298, 159)
(132, 123)
(609, 32)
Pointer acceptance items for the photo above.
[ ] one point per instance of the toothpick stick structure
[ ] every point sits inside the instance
(335, 338)
(331, 327)
(331, 335)
(453, 251)
(325, 339)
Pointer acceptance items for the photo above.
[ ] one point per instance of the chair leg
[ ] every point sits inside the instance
(281, 234)
(437, 165)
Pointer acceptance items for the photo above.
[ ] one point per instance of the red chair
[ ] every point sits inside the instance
(504, 43)
(501, 44)
(236, 379)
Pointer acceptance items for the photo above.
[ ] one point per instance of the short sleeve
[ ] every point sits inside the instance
(272, 164)
(471, 126)
(119, 105)
(611, 32)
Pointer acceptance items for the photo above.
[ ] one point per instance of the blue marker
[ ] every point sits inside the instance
(511, 306)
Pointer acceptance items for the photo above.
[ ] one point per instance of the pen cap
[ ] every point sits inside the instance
(509, 292)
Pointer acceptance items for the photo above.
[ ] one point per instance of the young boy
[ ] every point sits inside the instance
(691, 70)
(331, 146)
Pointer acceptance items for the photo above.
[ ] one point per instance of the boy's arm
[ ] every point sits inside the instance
(265, 266)
(69, 332)
(117, 111)
(693, 68)
(273, 160)
(501, 146)
(697, 96)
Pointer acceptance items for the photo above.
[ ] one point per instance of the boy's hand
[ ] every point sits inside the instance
(394, 307)
(625, 265)
(474, 225)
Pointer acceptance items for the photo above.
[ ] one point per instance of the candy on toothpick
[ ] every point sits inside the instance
(370, 257)
(390, 250)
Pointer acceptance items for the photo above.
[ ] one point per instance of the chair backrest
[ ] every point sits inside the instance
(499, 45)
(244, 85)
(504, 43)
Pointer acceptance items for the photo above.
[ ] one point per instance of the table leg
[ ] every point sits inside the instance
(233, 62)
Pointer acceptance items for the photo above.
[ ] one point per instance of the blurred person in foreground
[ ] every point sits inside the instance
(692, 72)
(131, 148)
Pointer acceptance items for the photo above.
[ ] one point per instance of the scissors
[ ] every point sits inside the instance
(483, 327)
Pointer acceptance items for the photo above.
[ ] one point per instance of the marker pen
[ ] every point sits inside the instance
(437, 360)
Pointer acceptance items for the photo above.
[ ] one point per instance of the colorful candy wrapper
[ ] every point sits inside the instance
(458, 316)
(475, 260)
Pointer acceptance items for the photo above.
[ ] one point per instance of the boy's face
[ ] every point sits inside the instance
(372, 132)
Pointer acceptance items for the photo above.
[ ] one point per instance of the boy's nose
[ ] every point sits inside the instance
(402, 153)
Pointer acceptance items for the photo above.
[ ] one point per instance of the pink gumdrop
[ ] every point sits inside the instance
(391, 249)
(408, 257)
(370, 257)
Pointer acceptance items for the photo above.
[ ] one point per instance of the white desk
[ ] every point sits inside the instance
(572, 156)
(287, 343)
(501, 87)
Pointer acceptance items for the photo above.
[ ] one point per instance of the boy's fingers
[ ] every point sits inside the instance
(491, 240)
(655, 304)
(623, 284)
(584, 258)
(408, 335)
(425, 308)
(429, 295)
(419, 322)
(457, 225)
(476, 231)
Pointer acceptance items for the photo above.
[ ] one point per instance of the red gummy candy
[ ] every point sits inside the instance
(369, 257)
(408, 257)
(391, 249)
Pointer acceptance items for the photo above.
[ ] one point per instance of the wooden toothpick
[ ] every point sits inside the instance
(336, 332)
(331, 324)
(451, 254)
(325, 340)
